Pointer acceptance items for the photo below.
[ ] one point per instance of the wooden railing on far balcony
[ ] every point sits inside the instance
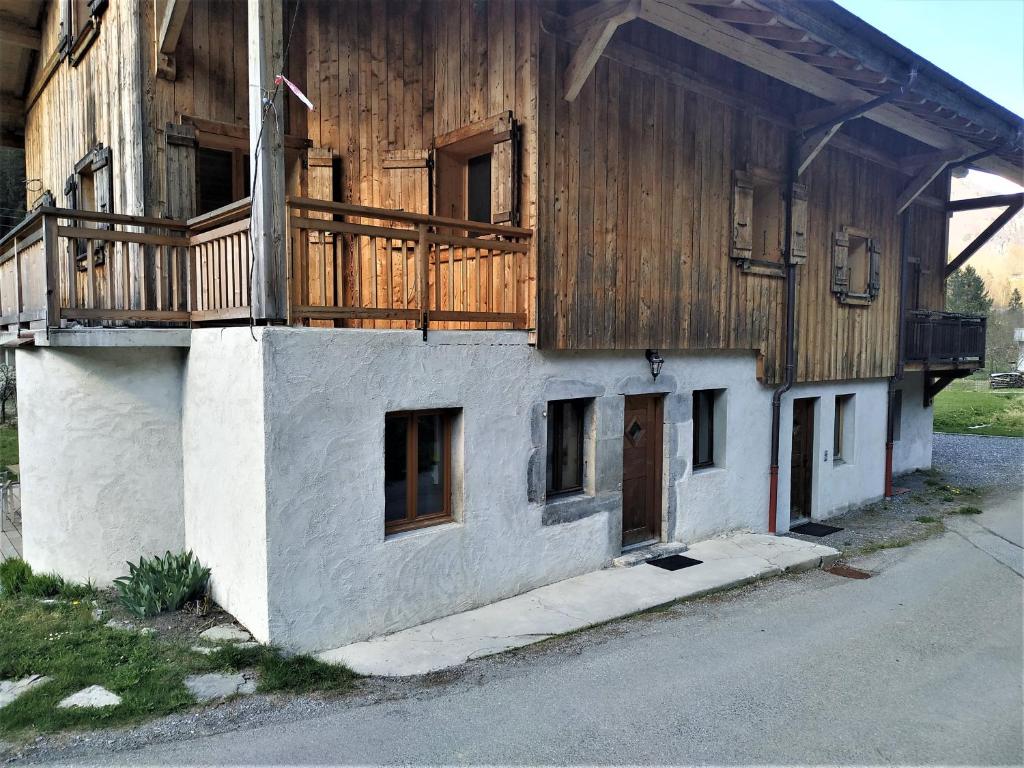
(379, 268)
(944, 338)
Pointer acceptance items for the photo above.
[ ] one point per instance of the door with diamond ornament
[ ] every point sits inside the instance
(641, 470)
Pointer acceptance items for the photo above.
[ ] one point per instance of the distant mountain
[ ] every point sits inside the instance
(1001, 261)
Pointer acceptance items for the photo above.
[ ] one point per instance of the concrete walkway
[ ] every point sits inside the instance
(577, 603)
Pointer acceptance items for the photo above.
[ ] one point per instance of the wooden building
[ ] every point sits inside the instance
(626, 184)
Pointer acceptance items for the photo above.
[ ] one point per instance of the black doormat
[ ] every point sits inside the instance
(674, 562)
(814, 529)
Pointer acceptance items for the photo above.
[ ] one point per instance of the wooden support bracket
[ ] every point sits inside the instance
(1014, 204)
(935, 384)
(924, 177)
(169, 23)
(600, 23)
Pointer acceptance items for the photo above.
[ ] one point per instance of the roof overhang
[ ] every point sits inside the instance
(20, 43)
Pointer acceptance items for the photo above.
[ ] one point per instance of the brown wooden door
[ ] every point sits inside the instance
(641, 469)
(802, 461)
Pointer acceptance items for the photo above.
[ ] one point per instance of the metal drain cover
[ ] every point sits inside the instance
(674, 562)
(848, 571)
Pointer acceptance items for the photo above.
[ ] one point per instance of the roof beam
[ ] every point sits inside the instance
(692, 24)
(975, 245)
(920, 182)
(600, 27)
(17, 34)
(849, 42)
(978, 203)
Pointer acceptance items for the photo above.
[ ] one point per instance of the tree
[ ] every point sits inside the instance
(1015, 302)
(8, 389)
(966, 294)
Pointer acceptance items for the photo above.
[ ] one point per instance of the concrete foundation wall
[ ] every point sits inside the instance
(860, 477)
(225, 492)
(101, 460)
(335, 578)
(913, 449)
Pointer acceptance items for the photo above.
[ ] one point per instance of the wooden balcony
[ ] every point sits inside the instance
(348, 266)
(944, 340)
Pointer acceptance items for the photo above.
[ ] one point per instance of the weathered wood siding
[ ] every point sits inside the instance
(635, 221)
(97, 101)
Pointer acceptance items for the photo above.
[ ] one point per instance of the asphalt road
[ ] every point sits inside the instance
(920, 664)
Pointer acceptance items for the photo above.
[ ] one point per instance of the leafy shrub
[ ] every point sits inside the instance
(159, 584)
(43, 585)
(13, 575)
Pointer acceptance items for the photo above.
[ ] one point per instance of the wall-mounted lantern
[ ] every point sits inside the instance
(656, 362)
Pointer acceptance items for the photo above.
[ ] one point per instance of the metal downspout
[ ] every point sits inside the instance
(890, 422)
(790, 368)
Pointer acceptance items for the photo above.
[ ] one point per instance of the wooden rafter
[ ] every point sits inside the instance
(928, 173)
(600, 23)
(1016, 202)
(703, 29)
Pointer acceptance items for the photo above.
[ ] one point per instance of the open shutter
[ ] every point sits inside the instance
(505, 172)
(875, 268)
(103, 181)
(841, 264)
(180, 154)
(407, 180)
(742, 215)
(321, 261)
(798, 236)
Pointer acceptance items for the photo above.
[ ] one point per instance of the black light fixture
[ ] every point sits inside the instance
(656, 362)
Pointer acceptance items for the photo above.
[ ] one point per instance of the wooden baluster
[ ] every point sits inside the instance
(423, 272)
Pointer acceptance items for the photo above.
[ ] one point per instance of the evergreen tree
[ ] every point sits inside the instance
(1015, 301)
(966, 294)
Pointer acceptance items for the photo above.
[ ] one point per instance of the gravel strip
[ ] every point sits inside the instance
(990, 464)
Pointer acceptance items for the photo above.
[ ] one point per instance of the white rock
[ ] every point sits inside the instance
(215, 685)
(119, 624)
(225, 633)
(97, 614)
(93, 696)
(12, 689)
(206, 650)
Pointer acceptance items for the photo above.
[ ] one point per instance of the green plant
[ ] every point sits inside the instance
(926, 519)
(14, 574)
(43, 585)
(968, 511)
(159, 584)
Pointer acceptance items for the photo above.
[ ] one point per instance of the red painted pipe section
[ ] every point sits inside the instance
(773, 497)
(888, 470)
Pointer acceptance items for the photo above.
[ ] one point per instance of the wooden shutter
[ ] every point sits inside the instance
(103, 180)
(841, 264)
(742, 215)
(408, 180)
(874, 268)
(798, 236)
(505, 172)
(180, 159)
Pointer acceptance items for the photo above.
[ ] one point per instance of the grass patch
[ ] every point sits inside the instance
(926, 519)
(62, 641)
(968, 510)
(980, 412)
(878, 546)
(8, 445)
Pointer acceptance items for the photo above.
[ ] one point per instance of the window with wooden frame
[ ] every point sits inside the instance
(417, 469)
(80, 26)
(759, 221)
(222, 177)
(565, 462)
(842, 430)
(856, 266)
(476, 171)
(91, 188)
(705, 417)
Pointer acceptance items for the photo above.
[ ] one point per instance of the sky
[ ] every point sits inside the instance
(981, 42)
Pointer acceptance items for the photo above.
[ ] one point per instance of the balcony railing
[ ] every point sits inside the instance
(944, 338)
(348, 265)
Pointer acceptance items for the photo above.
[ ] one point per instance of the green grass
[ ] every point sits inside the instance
(926, 519)
(63, 642)
(970, 411)
(8, 445)
(967, 511)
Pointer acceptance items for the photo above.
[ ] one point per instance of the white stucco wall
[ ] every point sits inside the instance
(914, 448)
(225, 491)
(101, 461)
(857, 479)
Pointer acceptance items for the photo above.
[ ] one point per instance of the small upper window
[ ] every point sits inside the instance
(842, 430)
(856, 266)
(708, 419)
(565, 446)
(478, 188)
(759, 221)
(475, 170)
(768, 221)
(417, 469)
